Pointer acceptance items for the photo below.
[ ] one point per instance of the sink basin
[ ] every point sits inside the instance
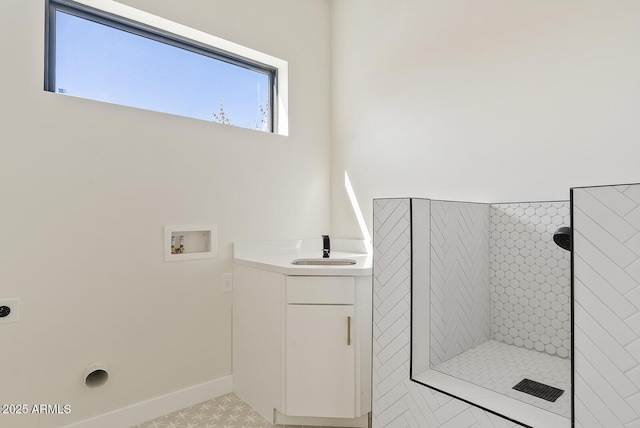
(324, 262)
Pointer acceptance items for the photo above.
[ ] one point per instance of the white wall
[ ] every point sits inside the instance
(87, 187)
(491, 101)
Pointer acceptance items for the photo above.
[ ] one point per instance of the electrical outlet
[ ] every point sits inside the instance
(10, 308)
(227, 282)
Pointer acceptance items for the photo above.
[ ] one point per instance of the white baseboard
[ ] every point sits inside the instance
(361, 422)
(159, 406)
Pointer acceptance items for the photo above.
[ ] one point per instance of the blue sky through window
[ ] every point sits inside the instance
(103, 63)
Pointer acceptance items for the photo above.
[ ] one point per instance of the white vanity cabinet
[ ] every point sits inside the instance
(302, 345)
(320, 368)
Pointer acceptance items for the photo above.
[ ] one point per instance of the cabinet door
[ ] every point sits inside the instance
(320, 366)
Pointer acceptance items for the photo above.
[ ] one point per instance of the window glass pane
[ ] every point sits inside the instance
(103, 63)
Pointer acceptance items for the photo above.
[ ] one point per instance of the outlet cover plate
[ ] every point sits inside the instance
(227, 282)
(14, 305)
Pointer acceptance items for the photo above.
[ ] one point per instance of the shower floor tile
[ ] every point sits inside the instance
(499, 367)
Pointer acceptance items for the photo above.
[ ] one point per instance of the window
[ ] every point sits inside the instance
(100, 55)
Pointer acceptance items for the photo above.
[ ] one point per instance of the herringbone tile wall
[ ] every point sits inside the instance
(397, 401)
(606, 230)
(460, 297)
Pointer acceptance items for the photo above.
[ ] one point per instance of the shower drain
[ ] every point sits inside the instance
(538, 389)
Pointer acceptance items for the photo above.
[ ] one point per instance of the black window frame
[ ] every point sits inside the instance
(152, 33)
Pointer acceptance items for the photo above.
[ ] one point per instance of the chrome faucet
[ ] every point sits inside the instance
(326, 246)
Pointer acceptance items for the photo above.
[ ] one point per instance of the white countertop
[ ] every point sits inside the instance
(276, 256)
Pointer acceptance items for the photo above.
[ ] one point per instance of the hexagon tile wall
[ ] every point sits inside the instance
(530, 277)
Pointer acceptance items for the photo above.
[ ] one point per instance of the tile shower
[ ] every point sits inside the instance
(528, 277)
(498, 281)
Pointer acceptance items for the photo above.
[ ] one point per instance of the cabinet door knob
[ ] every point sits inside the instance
(348, 331)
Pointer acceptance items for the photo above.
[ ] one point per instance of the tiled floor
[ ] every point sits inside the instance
(499, 367)
(227, 411)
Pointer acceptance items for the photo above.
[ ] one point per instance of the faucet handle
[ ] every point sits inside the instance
(326, 246)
